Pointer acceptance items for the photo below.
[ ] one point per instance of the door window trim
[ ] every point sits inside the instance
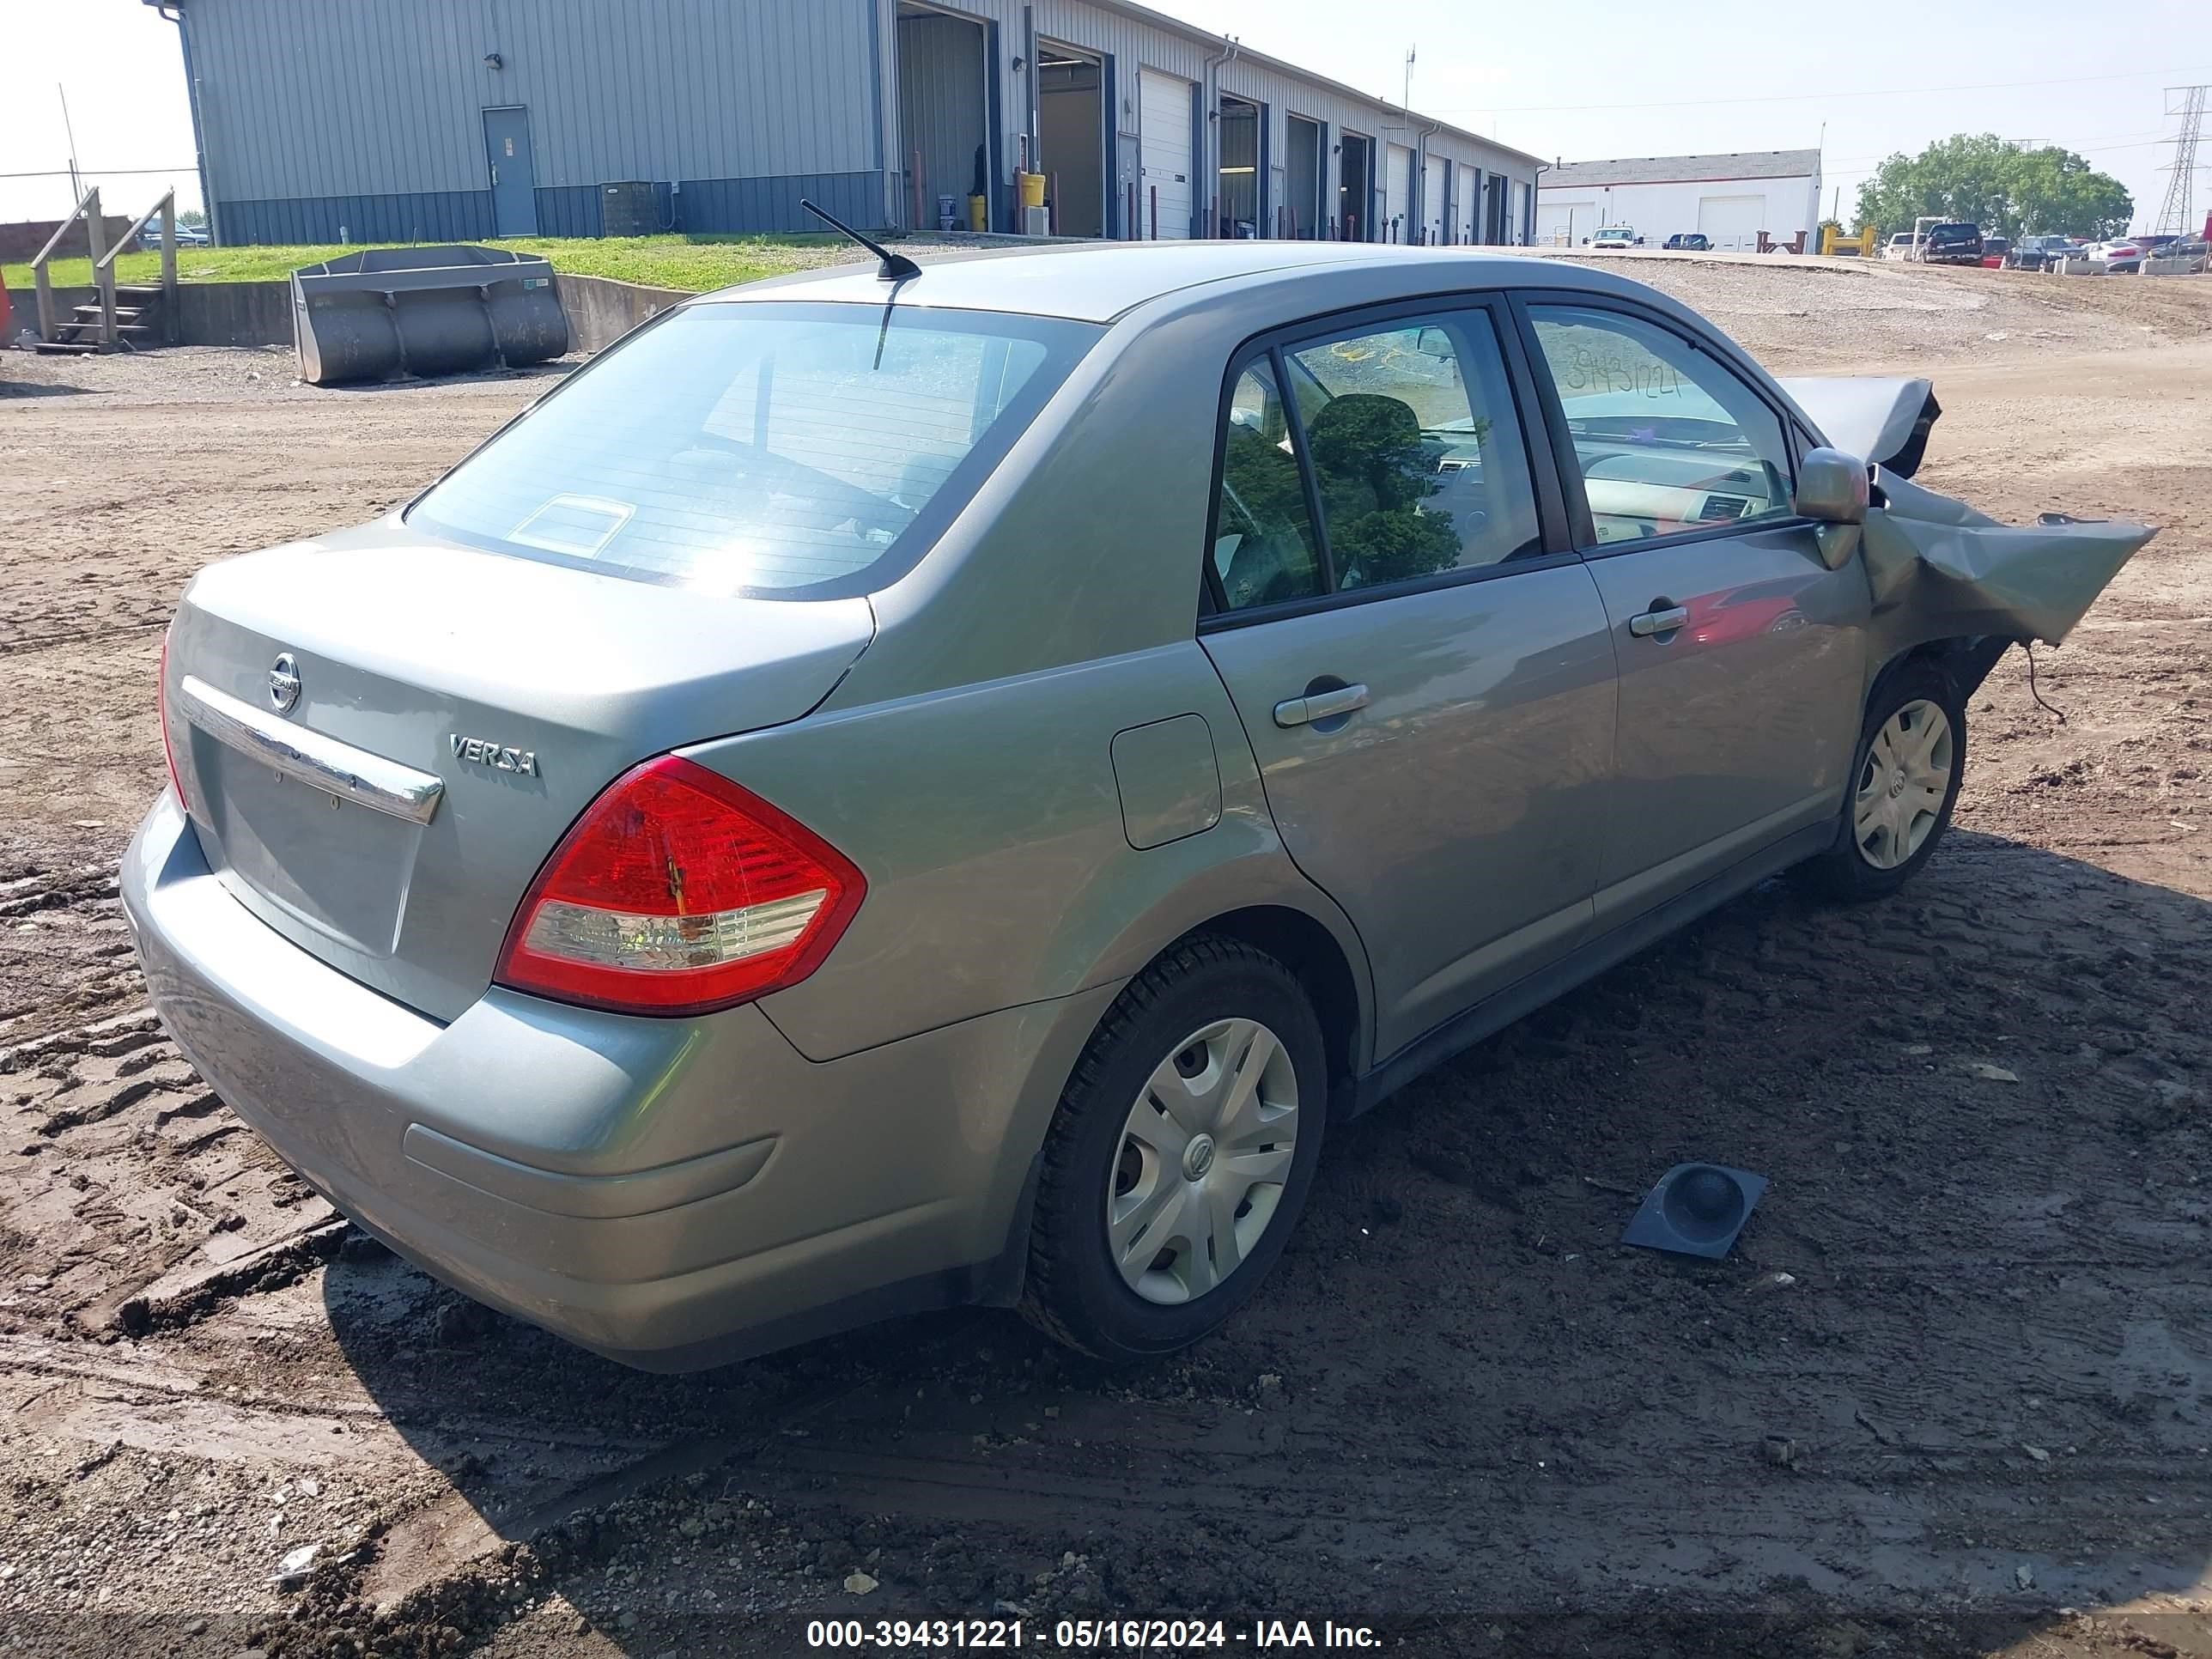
(1554, 536)
(1561, 447)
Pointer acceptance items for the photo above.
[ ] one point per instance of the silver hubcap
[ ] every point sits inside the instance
(1203, 1158)
(1902, 786)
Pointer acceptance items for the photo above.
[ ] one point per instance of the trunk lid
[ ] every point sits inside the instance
(509, 691)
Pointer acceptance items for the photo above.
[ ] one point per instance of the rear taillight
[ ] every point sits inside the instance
(679, 892)
(162, 711)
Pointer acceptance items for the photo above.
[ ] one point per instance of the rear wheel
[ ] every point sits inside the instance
(1911, 759)
(1181, 1154)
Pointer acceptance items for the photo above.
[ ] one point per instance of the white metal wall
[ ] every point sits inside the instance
(1780, 207)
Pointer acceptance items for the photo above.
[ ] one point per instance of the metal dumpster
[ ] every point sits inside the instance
(426, 310)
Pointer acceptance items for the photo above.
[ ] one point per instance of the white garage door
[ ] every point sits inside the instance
(1164, 122)
(1732, 220)
(1397, 193)
(1564, 224)
(1432, 200)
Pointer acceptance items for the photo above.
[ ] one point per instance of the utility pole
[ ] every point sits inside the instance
(2173, 217)
(1407, 102)
(76, 184)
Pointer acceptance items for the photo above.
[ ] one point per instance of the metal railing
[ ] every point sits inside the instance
(103, 271)
(48, 331)
(103, 266)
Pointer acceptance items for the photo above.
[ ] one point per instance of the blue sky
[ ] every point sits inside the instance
(1603, 78)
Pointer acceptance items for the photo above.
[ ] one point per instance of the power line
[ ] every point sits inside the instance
(96, 173)
(1794, 97)
(1846, 162)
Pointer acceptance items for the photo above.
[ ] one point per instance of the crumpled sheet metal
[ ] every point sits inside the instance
(1940, 571)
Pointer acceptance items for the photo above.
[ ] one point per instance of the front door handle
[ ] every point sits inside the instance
(1658, 621)
(1320, 706)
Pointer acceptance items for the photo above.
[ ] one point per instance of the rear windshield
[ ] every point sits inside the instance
(1953, 233)
(775, 451)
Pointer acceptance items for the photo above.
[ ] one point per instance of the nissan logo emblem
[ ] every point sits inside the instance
(284, 684)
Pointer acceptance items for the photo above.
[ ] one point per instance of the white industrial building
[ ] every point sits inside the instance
(1732, 199)
(330, 120)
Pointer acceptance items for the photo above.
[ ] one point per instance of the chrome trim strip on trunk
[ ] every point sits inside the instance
(309, 757)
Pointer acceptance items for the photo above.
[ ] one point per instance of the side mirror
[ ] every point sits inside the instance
(1834, 490)
(1433, 342)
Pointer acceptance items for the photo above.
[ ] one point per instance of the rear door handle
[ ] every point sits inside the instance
(1321, 705)
(1658, 621)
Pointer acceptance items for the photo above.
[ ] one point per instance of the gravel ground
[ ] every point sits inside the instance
(1953, 1393)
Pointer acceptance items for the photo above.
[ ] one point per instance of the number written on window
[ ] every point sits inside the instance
(1666, 440)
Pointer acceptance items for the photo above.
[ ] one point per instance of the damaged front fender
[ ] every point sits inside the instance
(1939, 570)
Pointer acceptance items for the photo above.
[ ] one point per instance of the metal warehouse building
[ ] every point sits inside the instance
(1731, 199)
(392, 120)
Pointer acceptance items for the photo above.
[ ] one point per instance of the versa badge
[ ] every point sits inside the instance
(504, 758)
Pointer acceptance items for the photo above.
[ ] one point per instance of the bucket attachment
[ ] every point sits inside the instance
(426, 310)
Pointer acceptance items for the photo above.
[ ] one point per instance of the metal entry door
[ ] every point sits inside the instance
(513, 186)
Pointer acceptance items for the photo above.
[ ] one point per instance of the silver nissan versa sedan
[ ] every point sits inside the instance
(890, 791)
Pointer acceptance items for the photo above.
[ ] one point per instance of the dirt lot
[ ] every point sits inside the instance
(1953, 1393)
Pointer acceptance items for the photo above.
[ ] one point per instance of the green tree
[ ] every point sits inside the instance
(1981, 179)
(193, 217)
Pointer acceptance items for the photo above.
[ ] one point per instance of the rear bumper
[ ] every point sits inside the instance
(670, 1193)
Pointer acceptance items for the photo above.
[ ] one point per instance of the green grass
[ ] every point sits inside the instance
(692, 263)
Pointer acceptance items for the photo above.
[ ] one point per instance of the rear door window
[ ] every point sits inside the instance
(1416, 449)
(778, 451)
(1264, 548)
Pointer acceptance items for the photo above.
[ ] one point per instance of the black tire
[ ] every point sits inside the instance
(1073, 1292)
(1846, 872)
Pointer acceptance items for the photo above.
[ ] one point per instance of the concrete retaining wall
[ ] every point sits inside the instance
(235, 314)
(209, 313)
(601, 310)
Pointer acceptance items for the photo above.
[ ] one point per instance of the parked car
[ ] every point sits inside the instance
(1954, 243)
(1615, 236)
(840, 850)
(1900, 246)
(1690, 241)
(187, 236)
(2039, 252)
(2119, 258)
(2184, 256)
(1994, 249)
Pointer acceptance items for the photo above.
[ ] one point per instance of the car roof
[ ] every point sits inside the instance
(1099, 281)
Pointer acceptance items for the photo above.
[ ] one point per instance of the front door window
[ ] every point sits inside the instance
(1667, 440)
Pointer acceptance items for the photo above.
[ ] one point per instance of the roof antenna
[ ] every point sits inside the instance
(896, 267)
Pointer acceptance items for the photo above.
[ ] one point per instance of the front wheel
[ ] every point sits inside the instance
(1180, 1156)
(1911, 760)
